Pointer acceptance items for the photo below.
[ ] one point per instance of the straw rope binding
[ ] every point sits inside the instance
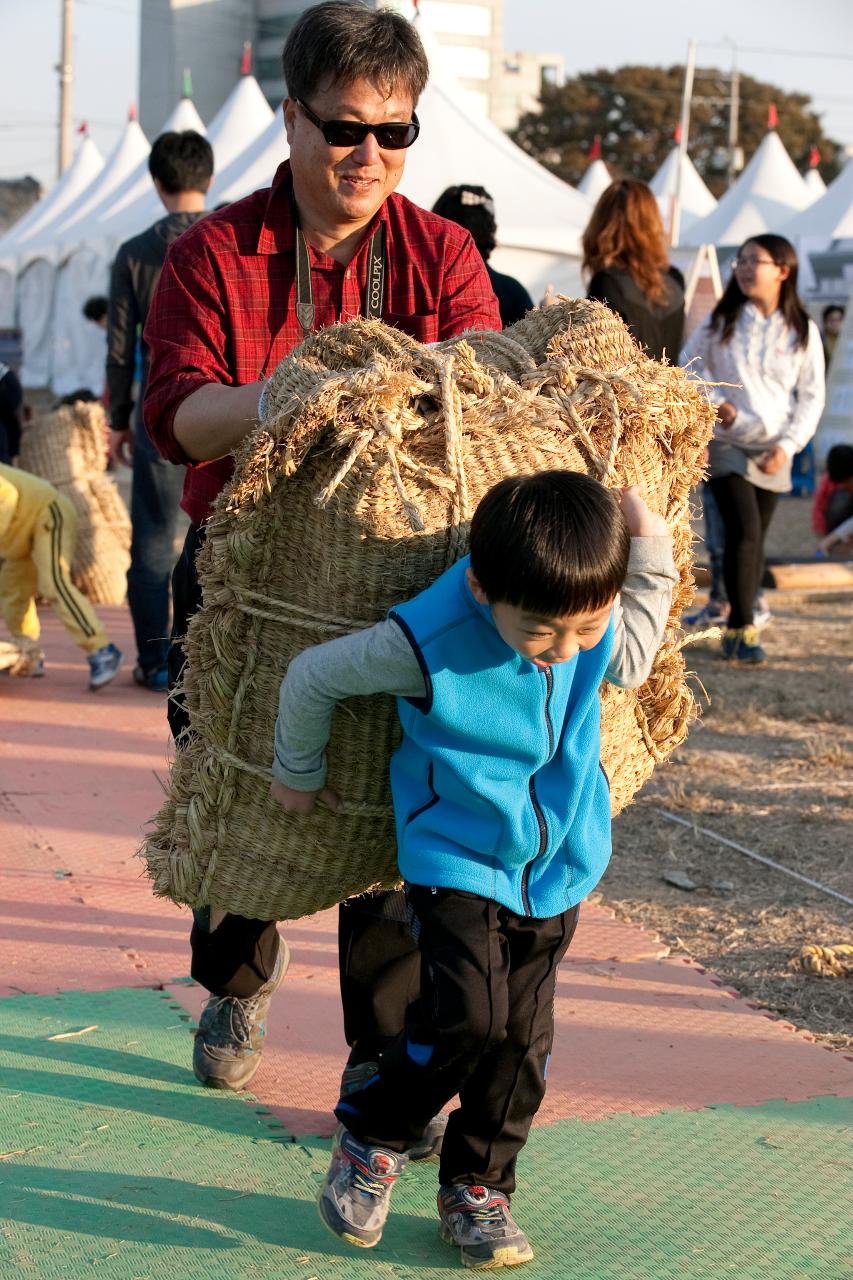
(355, 493)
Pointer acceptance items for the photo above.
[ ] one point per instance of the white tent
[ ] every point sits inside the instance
(131, 149)
(241, 119)
(695, 199)
(814, 182)
(254, 167)
(34, 286)
(595, 181)
(766, 195)
(83, 169)
(828, 218)
(535, 210)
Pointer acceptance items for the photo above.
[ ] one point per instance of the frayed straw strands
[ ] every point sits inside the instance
(356, 493)
(69, 449)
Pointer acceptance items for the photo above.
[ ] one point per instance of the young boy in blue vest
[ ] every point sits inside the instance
(503, 826)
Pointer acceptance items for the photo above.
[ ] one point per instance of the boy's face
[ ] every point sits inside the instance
(544, 641)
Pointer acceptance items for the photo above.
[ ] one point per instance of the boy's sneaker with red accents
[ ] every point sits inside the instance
(356, 1195)
(478, 1221)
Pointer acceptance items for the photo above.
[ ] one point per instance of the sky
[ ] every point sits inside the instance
(801, 47)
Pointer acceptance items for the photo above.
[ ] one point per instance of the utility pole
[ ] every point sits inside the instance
(735, 157)
(66, 79)
(684, 129)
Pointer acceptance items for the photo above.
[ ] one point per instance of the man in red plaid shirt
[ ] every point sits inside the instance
(227, 309)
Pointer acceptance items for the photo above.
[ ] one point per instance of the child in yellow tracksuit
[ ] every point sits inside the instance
(37, 529)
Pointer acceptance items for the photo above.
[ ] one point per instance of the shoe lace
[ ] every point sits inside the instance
(231, 1018)
(363, 1182)
(491, 1217)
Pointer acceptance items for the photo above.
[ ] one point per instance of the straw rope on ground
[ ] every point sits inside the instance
(68, 448)
(376, 450)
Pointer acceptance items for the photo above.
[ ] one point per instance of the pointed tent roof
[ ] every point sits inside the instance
(814, 182)
(253, 167)
(765, 196)
(83, 169)
(134, 204)
(533, 207)
(831, 216)
(595, 181)
(184, 117)
(242, 118)
(696, 200)
(131, 149)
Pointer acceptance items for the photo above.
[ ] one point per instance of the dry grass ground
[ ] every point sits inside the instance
(769, 766)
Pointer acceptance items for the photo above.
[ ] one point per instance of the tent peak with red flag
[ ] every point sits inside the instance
(595, 149)
(246, 60)
(676, 134)
(814, 158)
(772, 116)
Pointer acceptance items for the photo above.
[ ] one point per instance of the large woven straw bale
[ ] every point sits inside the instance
(69, 448)
(355, 494)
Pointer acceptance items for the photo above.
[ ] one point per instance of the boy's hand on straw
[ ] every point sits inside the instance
(641, 521)
(303, 801)
(726, 414)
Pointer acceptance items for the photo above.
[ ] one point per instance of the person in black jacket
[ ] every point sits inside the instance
(474, 209)
(181, 166)
(11, 413)
(625, 256)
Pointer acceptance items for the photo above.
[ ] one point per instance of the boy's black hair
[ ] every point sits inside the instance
(829, 310)
(839, 463)
(95, 308)
(181, 162)
(555, 543)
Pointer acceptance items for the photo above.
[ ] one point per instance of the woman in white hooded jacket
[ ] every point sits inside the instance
(760, 344)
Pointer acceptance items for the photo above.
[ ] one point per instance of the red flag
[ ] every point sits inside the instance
(772, 116)
(814, 158)
(676, 136)
(417, 6)
(246, 60)
(595, 149)
(131, 111)
(83, 126)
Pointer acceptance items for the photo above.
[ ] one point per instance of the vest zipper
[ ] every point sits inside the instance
(537, 810)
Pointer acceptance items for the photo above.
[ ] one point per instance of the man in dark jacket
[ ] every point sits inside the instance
(181, 166)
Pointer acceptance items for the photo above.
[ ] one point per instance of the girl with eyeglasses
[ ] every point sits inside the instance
(760, 343)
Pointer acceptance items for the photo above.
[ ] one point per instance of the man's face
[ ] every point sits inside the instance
(342, 187)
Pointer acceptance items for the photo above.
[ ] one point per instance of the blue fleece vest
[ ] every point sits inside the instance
(497, 784)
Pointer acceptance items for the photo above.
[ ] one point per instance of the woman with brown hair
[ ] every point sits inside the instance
(624, 254)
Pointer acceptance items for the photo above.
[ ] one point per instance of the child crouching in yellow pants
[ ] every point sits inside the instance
(37, 530)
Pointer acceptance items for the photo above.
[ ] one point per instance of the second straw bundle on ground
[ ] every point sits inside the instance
(356, 495)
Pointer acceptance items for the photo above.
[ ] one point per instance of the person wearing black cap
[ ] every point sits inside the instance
(473, 208)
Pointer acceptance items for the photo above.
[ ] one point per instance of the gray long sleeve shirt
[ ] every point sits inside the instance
(381, 660)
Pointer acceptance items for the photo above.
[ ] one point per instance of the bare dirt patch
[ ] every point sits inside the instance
(769, 766)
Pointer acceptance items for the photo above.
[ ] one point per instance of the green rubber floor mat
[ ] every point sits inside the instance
(115, 1164)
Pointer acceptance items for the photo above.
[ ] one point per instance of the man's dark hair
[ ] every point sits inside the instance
(181, 162)
(555, 543)
(839, 463)
(474, 209)
(339, 42)
(95, 308)
(831, 310)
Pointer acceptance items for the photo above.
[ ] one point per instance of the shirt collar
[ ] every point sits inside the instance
(278, 227)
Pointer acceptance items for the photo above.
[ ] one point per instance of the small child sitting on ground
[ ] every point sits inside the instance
(503, 825)
(833, 502)
(37, 528)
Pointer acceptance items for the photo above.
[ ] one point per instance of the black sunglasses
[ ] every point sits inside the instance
(351, 133)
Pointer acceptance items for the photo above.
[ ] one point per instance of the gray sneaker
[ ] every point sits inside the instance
(230, 1036)
(428, 1150)
(356, 1195)
(478, 1221)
